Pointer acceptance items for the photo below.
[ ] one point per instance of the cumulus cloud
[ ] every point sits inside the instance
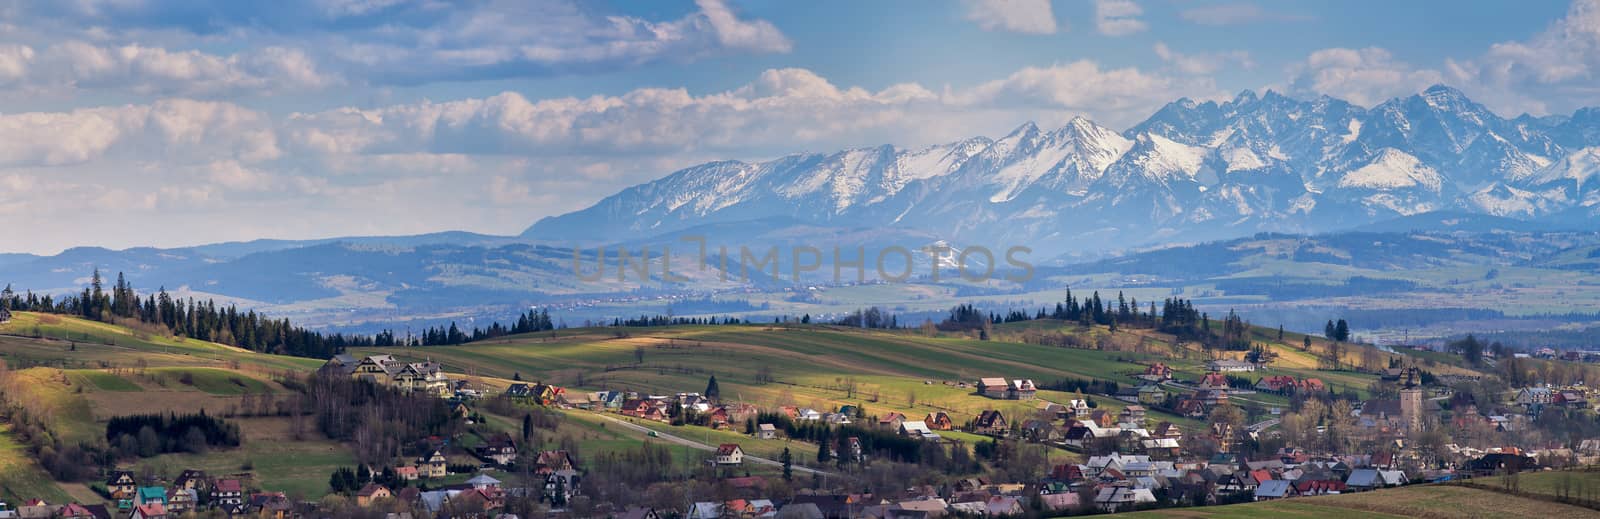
(312, 44)
(1204, 63)
(1555, 70)
(1024, 16)
(1118, 17)
(488, 163)
(1362, 76)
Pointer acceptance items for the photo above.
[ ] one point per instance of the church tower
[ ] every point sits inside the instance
(1411, 400)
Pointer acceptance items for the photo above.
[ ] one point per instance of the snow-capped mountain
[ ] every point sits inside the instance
(1193, 170)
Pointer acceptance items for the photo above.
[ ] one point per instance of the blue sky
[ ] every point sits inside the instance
(312, 118)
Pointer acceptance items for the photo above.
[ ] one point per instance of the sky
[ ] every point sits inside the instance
(130, 123)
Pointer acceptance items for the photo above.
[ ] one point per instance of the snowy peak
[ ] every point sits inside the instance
(1251, 163)
(1393, 170)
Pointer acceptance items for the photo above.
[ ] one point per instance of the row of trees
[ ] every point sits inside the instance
(207, 321)
(203, 320)
(152, 434)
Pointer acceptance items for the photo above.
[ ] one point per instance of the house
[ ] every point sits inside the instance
(993, 387)
(147, 495)
(1318, 487)
(1369, 479)
(1122, 499)
(1041, 431)
(1133, 414)
(122, 486)
(1276, 384)
(1021, 389)
(766, 431)
(850, 449)
(991, 423)
(718, 417)
(891, 421)
(554, 461)
(191, 479)
(274, 505)
(181, 499)
(423, 377)
(1150, 394)
(637, 512)
(730, 454)
(1213, 380)
(149, 511)
(1230, 365)
(939, 421)
(1534, 396)
(1273, 489)
(519, 390)
(5, 315)
(406, 473)
(371, 493)
(500, 448)
(1157, 372)
(1002, 506)
(433, 466)
(77, 511)
(917, 429)
(809, 415)
(1211, 397)
(228, 493)
(705, 510)
(1191, 407)
(1570, 398)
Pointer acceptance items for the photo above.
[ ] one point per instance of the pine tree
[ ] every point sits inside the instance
(712, 391)
(824, 453)
(788, 464)
(527, 426)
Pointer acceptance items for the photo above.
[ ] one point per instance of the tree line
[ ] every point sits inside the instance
(152, 434)
(208, 321)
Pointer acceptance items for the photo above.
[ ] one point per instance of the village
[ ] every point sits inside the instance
(1165, 442)
(1130, 458)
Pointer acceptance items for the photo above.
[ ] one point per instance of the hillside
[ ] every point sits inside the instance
(80, 373)
(1419, 501)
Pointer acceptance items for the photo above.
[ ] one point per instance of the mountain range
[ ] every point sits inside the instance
(1192, 171)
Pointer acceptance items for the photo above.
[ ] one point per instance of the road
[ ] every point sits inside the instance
(701, 446)
(1262, 426)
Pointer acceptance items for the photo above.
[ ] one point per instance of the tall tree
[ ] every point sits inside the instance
(712, 391)
(788, 464)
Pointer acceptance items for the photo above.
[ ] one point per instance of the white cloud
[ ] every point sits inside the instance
(1362, 76)
(490, 164)
(65, 67)
(1118, 17)
(1234, 14)
(1024, 16)
(1203, 63)
(753, 36)
(1554, 71)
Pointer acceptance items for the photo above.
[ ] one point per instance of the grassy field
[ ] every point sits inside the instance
(71, 342)
(20, 476)
(299, 468)
(103, 381)
(816, 367)
(1423, 501)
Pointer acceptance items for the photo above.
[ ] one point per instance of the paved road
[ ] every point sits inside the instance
(1262, 426)
(701, 446)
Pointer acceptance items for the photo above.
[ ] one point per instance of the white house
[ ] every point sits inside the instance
(1230, 365)
(730, 454)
